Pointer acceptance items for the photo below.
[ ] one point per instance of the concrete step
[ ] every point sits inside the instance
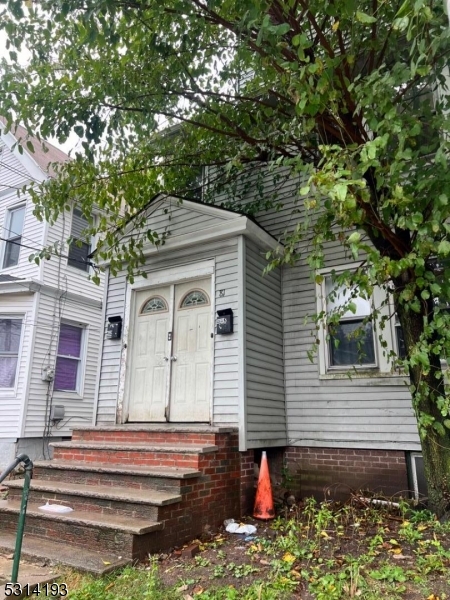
(129, 476)
(37, 549)
(162, 455)
(116, 534)
(156, 433)
(96, 498)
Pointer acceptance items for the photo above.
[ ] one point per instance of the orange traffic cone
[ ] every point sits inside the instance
(263, 508)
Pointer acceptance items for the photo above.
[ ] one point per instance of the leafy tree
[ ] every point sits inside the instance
(349, 95)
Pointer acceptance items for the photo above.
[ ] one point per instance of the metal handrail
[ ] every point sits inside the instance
(23, 508)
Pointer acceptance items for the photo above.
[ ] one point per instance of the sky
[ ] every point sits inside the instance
(73, 139)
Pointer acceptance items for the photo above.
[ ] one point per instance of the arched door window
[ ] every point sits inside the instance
(154, 304)
(194, 298)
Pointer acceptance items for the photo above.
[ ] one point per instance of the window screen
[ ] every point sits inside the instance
(80, 248)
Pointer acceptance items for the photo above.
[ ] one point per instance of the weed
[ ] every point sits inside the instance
(243, 570)
(421, 516)
(219, 571)
(390, 573)
(375, 542)
(200, 561)
(409, 532)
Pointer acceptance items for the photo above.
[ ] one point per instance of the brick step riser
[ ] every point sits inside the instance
(114, 480)
(136, 458)
(88, 504)
(123, 437)
(100, 540)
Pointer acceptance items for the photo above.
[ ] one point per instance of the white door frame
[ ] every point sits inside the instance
(170, 276)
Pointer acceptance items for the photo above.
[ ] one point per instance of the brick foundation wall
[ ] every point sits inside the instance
(247, 481)
(334, 473)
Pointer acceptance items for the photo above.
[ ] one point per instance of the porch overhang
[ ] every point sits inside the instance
(240, 225)
(231, 224)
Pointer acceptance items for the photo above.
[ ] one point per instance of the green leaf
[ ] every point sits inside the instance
(364, 17)
(341, 191)
(354, 238)
(444, 247)
(401, 24)
(79, 130)
(352, 307)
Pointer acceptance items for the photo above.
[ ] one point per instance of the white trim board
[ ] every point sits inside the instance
(177, 274)
(28, 163)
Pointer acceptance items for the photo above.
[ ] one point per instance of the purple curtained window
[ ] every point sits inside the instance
(10, 333)
(69, 357)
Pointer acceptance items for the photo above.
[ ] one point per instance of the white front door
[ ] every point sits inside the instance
(171, 354)
(192, 349)
(149, 356)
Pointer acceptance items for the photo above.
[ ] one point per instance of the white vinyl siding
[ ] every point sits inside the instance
(168, 217)
(78, 406)
(22, 411)
(62, 275)
(13, 176)
(12, 173)
(265, 403)
(362, 412)
(31, 238)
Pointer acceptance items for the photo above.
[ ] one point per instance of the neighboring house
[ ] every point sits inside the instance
(176, 363)
(50, 313)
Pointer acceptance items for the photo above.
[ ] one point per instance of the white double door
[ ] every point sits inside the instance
(171, 353)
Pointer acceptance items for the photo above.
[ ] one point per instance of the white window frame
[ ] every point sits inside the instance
(92, 239)
(382, 365)
(78, 391)
(7, 233)
(13, 390)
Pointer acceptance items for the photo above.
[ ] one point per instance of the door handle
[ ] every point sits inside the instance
(174, 358)
(166, 358)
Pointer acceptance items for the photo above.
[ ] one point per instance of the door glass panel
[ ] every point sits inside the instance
(194, 298)
(155, 304)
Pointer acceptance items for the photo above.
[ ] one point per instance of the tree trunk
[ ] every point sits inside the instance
(426, 389)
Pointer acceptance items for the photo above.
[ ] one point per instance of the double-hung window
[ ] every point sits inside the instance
(69, 365)
(80, 247)
(350, 341)
(13, 236)
(10, 335)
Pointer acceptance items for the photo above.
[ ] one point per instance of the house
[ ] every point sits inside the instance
(176, 362)
(204, 363)
(49, 312)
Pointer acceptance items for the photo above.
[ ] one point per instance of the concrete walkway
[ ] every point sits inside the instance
(29, 573)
